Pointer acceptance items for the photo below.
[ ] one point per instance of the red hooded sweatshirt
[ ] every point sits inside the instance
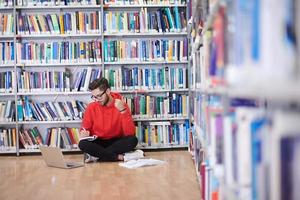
(107, 121)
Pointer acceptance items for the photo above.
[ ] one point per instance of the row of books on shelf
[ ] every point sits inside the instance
(209, 50)
(38, 81)
(243, 57)
(64, 23)
(7, 52)
(6, 24)
(59, 52)
(241, 152)
(90, 51)
(121, 79)
(7, 111)
(145, 106)
(158, 134)
(145, 50)
(29, 110)
(7, 81)
(8, 139)
(66, 138)
(141, 106)
(154, 134)
(126, 79)
(162, 20)
(77, 22)
(147, 78)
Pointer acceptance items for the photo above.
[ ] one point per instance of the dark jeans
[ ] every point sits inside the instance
(108, 150)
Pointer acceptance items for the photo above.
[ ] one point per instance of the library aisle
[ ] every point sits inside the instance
(27, 177)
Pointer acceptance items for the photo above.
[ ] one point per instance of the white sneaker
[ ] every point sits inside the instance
(89, 158)
(133, 155)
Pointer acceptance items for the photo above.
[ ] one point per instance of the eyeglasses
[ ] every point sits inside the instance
(97, 97)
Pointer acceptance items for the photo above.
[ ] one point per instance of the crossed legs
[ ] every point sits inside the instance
(108, 150)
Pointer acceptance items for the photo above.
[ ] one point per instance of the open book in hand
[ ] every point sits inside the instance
(89, 138)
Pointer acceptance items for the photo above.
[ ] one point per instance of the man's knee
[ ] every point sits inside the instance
(83, 144)
(133, 140)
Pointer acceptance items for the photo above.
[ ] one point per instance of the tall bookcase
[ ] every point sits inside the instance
(244, 98)
(60, 46)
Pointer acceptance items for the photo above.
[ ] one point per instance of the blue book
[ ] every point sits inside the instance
(55, 50)
(177, 20)
(67, 56)
(51, 111)
(256, 154)
(179, 105)
(170, 19)
(36, 114)
(180, 78)
(147, 78)
(105, 51)
(20, 109)
(12, 53)
(153, 79)
(40, 111)
(136, 77)
(105, 22)
(163, 25)
(28, 110)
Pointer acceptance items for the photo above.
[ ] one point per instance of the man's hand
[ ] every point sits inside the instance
(84, 133)
(120, 104)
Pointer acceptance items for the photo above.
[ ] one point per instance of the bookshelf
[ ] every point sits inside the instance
(243, 112)
(57, 46)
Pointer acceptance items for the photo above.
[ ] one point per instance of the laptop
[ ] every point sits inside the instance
(53, 157)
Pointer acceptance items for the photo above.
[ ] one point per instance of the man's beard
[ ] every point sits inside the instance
(105, 101)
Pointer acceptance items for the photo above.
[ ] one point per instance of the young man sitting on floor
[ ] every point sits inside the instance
(109, 119)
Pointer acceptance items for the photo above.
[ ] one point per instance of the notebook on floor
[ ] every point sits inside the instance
(53, 157)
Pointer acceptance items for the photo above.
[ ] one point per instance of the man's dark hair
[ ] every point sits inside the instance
(101, 83)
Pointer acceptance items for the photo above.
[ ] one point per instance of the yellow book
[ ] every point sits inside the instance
(27, 82)
(148, 111)
(125, 22)
(53, 137)
(170, 52)
(34, 23)
(82, 53)
(80, 22)
(14, 137)
(75, 133)
(153, 134)
(42, 23)
(137, 133)
(123, 47)
(110, 22)
(61, 24)
(181, 50)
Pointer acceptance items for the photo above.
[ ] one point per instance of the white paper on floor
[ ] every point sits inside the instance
(133, 164)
